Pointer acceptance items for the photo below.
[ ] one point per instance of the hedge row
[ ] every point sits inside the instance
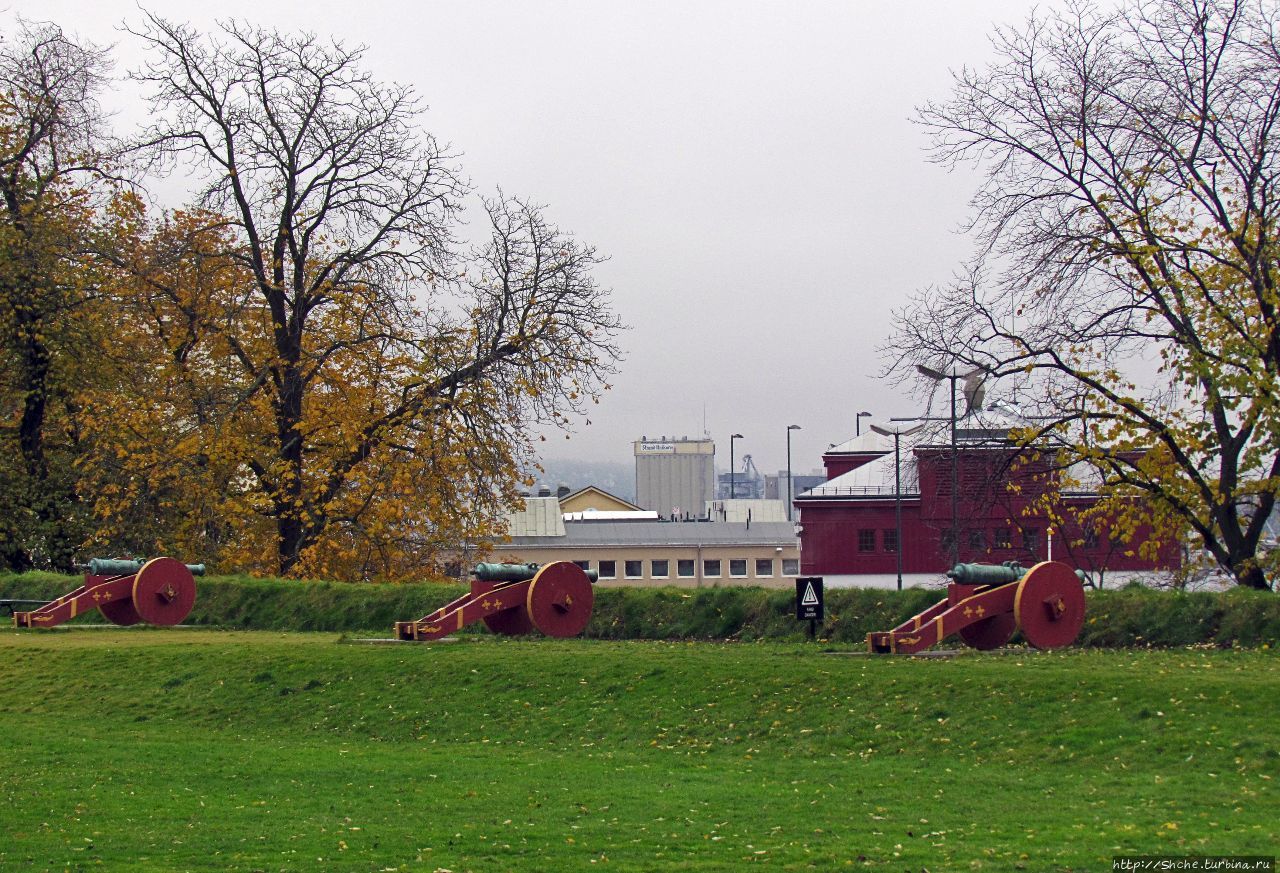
(1123, 618)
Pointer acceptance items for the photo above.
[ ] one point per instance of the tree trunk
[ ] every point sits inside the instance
(49, 497)
(291, 529)
(1250, 575)
(289, 541)
(36, 364)
(39, 498)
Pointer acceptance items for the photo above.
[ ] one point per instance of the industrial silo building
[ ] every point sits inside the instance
(675, 477)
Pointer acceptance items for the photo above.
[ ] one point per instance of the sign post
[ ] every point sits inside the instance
(809, 602)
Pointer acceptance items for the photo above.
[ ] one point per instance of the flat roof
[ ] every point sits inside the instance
(665, 533)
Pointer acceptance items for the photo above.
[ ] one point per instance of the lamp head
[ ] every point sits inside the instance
(884, 431)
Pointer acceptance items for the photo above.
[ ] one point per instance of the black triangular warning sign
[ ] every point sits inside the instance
(809, 598)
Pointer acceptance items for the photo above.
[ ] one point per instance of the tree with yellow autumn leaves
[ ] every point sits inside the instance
(1125, 287)
(53, 176)
(304, 372)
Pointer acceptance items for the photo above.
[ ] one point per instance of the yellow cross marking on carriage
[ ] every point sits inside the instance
(980, 612)
(968, 611)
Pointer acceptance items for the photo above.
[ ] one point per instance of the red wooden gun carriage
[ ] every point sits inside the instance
(986, 603)
(514, 599)
(160, 591)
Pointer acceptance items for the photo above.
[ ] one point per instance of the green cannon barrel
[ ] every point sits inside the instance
(514, 572)
(504, 572)
(117, 567)
(987, 574)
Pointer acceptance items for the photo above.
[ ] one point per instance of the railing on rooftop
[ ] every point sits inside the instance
(855, 491)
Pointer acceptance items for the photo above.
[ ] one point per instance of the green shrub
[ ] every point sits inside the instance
(1126, 617)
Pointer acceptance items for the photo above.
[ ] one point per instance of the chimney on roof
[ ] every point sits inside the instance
(544, 491)
(562, 491)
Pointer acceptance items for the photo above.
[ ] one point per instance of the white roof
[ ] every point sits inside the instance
(740, 509)
(876, 477)
(612, 515)
(866, 442)
(873, 479)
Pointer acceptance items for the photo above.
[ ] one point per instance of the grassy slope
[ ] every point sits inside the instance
(187, 749)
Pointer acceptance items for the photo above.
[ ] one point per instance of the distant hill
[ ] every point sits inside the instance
(616, 478)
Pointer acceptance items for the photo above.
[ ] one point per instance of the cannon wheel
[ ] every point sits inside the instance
(560, 599)
(163, 591)
(990, 633)
(1049, 605)
(120, 612)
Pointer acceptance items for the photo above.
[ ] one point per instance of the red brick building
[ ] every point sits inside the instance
(847, 525)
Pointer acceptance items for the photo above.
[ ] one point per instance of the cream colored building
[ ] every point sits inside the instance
(593, 499)
(638, 550)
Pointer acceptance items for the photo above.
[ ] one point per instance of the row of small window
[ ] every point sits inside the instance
(660, 568)
(1001, 538)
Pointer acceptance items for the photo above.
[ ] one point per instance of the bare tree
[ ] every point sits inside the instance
(51, 154)
(341, 210)
(1127, 262)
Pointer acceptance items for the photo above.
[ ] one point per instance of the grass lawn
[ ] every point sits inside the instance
(145, 749)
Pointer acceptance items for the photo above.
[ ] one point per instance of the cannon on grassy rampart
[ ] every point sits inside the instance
(986, 603)
(514, 599)
(160, 591)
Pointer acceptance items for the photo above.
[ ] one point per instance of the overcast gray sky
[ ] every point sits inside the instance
(749, 167)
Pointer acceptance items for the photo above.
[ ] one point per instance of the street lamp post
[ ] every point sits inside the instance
(733, 490)
(897, 484)
(790, 428)
(857, 423)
